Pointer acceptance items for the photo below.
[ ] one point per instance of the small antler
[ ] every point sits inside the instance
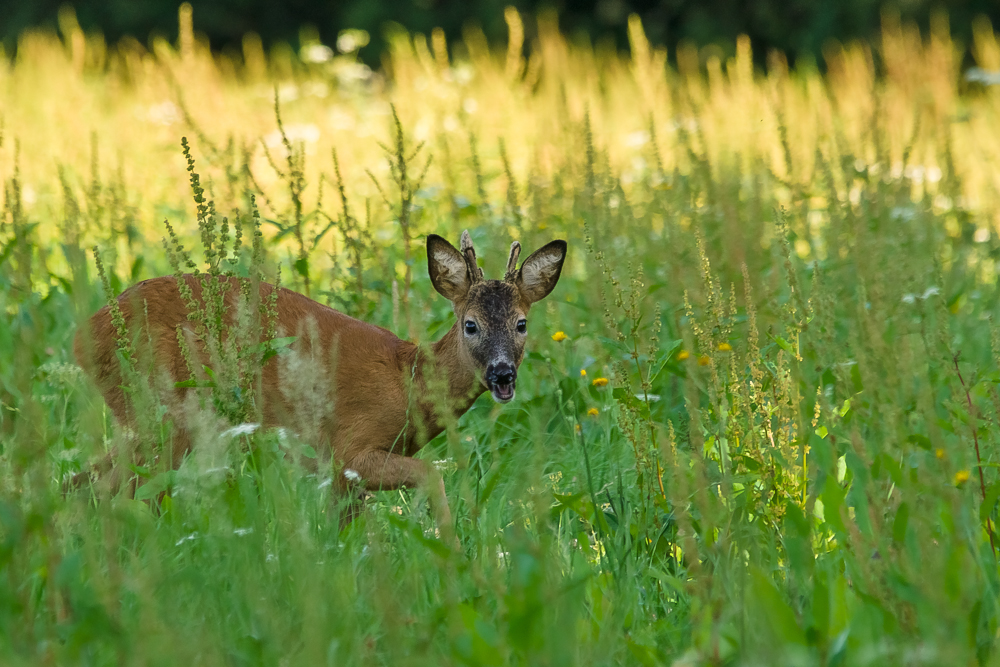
(515, 252)
(469, 253)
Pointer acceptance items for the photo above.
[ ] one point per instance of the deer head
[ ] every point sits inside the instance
(492, 314)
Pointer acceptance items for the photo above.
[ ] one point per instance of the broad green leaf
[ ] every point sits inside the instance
(774, 611)
(164, 481)
(986, 509)
(900, 523)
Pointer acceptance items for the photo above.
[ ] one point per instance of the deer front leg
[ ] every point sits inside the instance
(384, 471)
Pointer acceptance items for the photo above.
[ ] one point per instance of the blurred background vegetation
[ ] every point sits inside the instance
(799, 28)
(759, 419)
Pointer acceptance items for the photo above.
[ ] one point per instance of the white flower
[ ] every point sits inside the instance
(463, 74)
(339, 119)
(316, 89)
(933, 290)
(902, 213)
(352, 73)
(984, 76)
(445, 465)
(296, 132)
(240, 429)
(288, 92)
(349, 41)
(915, 173)
(316, 53)
(637, 139)
(164, 113)
(352, 475)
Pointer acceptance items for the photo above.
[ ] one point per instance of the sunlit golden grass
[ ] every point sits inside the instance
(78, 103)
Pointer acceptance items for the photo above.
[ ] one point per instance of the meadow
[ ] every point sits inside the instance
(758, 418)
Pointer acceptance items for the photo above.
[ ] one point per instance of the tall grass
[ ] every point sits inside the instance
(757, 423)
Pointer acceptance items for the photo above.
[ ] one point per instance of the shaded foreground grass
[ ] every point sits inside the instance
(747, 427)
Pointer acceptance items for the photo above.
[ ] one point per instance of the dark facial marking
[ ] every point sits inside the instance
(493, 306)
(493, 301)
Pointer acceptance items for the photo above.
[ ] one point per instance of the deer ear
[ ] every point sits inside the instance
(447, 269)
(540, 272)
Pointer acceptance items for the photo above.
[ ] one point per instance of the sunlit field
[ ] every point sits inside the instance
(757, 422)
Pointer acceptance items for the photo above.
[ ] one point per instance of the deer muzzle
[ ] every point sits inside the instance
(500, 378)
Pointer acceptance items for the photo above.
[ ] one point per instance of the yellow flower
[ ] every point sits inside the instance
(600, 382)
(704, 360)
(939, 453)
(559, 336)
(583, 372)
(578, 428)
(961, 477)
(725, 347)
(593, 412)
(682, 355)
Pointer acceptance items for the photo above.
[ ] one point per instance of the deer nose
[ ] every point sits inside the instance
(501, 373)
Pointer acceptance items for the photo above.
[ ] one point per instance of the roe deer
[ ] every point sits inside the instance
(372, 425)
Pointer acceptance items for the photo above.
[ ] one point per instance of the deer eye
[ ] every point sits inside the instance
(522, 326)
(470, 327)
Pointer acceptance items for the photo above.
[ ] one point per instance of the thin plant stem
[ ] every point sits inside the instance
(975, 440)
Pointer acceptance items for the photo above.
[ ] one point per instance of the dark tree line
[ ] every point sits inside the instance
(797, 27)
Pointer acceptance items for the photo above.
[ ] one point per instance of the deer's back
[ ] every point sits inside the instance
(342, 376)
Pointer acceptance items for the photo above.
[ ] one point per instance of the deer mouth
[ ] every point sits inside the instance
(500, 378)
(502, 391)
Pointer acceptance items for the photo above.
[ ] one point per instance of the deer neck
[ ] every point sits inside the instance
(442, 378)
(463, 385)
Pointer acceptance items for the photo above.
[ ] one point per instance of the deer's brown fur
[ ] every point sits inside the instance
(370, 425)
